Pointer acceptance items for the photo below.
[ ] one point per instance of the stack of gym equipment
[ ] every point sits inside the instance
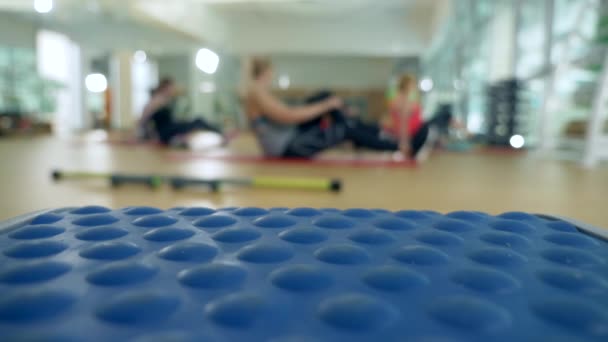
(505, 112)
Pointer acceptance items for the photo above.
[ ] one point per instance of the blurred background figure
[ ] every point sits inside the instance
(158, 119)
(304, 131)
(495, 89)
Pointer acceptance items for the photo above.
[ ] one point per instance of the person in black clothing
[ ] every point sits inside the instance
(333, 128)
(159, 113)
(304, 131)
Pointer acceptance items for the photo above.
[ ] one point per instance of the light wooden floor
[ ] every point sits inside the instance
(447, 182)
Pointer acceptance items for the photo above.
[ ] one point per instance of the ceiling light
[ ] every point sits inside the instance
(96, 83)
(207, 61)
(140, 56)
(426, 84)
(43, 6)
(284, 82)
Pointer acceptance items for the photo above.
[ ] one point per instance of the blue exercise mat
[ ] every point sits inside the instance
(250, 274)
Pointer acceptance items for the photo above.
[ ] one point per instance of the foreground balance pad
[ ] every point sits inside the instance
(251, 274)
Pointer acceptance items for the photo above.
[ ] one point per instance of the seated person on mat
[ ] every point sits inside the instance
(406, 122)
(160, 112)
(304, 131)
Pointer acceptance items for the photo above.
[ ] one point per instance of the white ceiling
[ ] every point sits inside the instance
(321, 27)
(334, 27)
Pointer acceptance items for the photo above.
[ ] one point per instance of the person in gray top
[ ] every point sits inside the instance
(304, 131)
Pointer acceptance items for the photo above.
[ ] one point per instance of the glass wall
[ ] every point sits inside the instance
(464, 60)
(459, 63)
(22, 90)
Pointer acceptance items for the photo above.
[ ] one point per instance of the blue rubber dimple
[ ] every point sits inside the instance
(412, 214)
(138, 308)
(34, 305)
(250, 212)
(48, 218)
(562, 226)
(34, 272)
(573, 280)
(301, 278)
(121, 274)
(358, 213)
(394, 279)
(110, 251)
(573, 314)
(512, 226)
(486, 280)
(215, 221)
(36, 232)
(40, 337)
(239, 310)
(293, 338)
(571, 240)
(421, 256)
(168, 234)
(343, 254)
(101, 234)
(454, 226)
(95, 220)
(155, 221)
(507, 240)
(381, 211)
(356, 313)
(304, 212)
(236, 235)
(93, 209)
(498, 257)
(304, 235)
(518, 216)
(296, 275)
(470, 314)
(142, 211)
(170, 336)
(264, 253)
(334, 222)
(393, 224)
(439, 239)
(213, 276)
(197, 212)
(371, 237)
(39, 249)
(274, 221)
(188, 252)
(470, 216)
(571, 257)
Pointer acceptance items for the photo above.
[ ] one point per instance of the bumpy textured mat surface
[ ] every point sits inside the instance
(250, 274)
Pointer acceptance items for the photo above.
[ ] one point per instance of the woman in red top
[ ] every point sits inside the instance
(406, 122)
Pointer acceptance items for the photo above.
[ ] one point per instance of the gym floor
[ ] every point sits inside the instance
(490, 182)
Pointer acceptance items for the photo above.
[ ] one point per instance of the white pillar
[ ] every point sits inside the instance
(595, 141)
(122, 90)
(503, 43)
(544, 123)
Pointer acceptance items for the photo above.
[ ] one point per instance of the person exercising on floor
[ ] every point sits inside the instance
(304, 131)
(160, 112)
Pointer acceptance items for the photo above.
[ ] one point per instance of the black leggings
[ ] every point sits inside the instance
(314, 136)
(332, 129)
(169, 131)
(167, 128)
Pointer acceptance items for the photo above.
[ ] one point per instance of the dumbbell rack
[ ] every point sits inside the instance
(505, 112)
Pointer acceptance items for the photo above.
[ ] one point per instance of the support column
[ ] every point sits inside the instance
(545, 140)
(121, 84)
